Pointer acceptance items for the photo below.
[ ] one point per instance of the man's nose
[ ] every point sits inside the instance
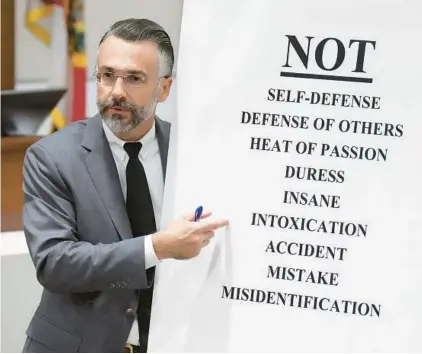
(118, 90)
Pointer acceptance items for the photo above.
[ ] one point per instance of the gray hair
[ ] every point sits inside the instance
(135, 30)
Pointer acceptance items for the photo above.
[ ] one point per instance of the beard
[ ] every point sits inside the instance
(116, 122)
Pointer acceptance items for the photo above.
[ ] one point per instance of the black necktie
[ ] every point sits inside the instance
(141, 216)
(138, 203)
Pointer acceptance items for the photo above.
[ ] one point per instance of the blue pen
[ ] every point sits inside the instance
(198, 213)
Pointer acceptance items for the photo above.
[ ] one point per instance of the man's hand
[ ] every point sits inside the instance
(184, 238)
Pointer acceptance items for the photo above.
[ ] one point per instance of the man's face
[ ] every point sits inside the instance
(128, 83)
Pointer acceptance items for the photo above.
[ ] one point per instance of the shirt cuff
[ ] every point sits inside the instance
(151, 259)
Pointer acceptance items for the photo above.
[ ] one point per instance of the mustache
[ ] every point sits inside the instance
(111, 103)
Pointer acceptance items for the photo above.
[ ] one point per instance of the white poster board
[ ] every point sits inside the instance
(301, 122)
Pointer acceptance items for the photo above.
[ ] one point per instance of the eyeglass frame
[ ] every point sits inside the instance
(124, 78)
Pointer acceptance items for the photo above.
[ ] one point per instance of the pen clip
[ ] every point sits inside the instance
(198, 213)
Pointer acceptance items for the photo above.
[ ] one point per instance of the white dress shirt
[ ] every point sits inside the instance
(149, 155)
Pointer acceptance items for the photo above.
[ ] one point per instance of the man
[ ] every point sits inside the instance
(93, 195)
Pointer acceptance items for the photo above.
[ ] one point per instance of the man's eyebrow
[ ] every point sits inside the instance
(108, 68)
(132, 72)
(137, 72)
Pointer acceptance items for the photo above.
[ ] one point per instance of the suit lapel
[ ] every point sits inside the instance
(102, 169)
(163, 136)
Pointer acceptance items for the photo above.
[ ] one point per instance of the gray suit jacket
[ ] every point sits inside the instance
(80, 241)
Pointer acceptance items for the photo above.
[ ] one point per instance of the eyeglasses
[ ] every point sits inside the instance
(109, 78)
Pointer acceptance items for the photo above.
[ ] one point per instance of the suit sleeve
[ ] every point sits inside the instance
(63, 263)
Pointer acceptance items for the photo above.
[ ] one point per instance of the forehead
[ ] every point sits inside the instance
(125, 56)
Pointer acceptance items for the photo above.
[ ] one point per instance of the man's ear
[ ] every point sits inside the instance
(165, 89)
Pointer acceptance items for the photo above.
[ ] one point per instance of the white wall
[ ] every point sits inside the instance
(20, 291)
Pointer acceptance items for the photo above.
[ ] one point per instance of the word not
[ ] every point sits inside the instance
(335, 57)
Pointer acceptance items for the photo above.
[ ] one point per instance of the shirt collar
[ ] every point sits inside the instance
(146, 140)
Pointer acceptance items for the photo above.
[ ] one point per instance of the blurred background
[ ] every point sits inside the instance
(48, 55)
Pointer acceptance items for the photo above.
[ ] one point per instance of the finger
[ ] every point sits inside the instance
(191, 216)
(212, 225)
(205, 243)
(208, 234)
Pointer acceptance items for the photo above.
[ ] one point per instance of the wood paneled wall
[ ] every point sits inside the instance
(7, 44)
(12, 154)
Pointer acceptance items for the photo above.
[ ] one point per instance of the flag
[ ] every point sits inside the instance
(59, 24)
(38, 19)
(76, 33)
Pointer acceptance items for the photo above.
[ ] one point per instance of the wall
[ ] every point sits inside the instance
(20, 291)
(7, 45)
